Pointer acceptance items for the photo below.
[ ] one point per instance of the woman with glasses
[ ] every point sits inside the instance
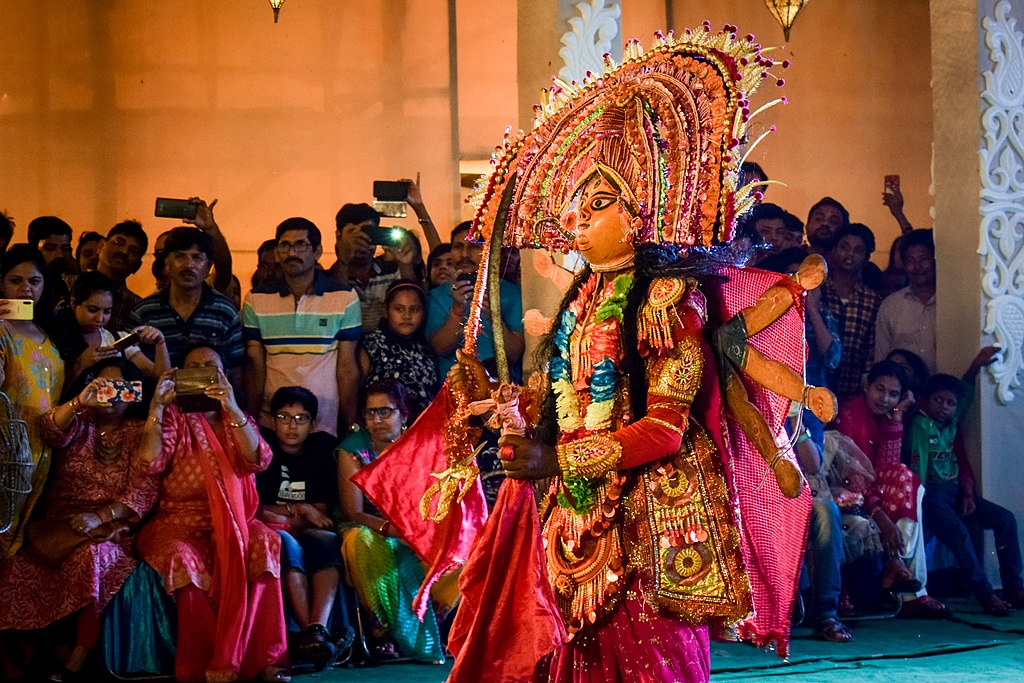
(383, 570)
(297, 492)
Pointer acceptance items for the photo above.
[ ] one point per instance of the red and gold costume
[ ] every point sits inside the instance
(639, 546)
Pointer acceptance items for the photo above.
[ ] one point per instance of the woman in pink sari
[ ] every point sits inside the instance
(220, 563)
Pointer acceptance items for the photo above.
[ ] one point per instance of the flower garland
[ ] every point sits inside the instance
(604, 354)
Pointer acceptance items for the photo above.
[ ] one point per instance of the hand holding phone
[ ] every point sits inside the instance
(892, 184)
(125, 342)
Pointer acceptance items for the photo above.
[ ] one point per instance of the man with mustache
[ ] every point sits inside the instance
(189, 311)
(302, 328)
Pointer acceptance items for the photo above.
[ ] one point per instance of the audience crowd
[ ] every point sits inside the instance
(202, 445)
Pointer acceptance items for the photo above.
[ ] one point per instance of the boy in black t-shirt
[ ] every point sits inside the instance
(297, 492)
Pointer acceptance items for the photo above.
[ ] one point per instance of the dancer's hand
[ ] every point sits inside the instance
(468, 374)
(531, 459)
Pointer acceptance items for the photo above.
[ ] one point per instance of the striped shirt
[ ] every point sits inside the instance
(214, 322)
(301, 340)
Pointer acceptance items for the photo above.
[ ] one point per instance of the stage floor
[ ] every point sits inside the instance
(971, 647)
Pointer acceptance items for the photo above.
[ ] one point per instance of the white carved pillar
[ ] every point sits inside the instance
(1002, 196)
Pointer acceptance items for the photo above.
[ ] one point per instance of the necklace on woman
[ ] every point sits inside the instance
(107, 453)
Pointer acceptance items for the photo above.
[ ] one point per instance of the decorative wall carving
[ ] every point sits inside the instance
(589, 37)
(1002, 196)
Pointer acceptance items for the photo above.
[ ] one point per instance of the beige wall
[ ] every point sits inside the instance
(106, 105)
(859, 104)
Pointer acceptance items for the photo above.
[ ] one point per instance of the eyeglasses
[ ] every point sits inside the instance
(299, 247)
(379, 413)
(299, 420)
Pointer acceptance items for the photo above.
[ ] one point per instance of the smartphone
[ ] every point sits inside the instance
(176, 208)
(120, 391)
(384, 236)
(126, 341)
(20, 309)
(892, 184)
(190, 389)
(389, 197)
(390, 190)
(466, 277)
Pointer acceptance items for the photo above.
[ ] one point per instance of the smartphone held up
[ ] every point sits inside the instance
(892, 184)
(389, 198)
(176, 208)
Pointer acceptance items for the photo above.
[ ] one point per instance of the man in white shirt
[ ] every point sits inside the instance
(906, 318)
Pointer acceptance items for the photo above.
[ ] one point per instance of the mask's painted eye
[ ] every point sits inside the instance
(601, 202)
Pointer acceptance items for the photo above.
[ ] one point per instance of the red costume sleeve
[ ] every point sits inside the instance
(673, 376)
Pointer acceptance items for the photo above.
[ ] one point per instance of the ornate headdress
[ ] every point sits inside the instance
(664, 128)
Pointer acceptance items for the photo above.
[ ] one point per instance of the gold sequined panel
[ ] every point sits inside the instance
(680, 535)
(585, 560)
(677, 374)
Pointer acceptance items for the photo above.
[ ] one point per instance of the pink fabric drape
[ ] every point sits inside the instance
(508, 619)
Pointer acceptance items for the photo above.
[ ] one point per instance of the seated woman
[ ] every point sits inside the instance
(297, 493)
(397, 350)
(83, 339)
(874, 421)
(220, 563)
(79, 550)
(384, 571)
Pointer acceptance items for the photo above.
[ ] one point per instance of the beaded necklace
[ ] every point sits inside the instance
(604, 353)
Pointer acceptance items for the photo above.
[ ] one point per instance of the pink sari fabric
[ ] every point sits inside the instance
(34, 594)
(204, 534)
(636, 644)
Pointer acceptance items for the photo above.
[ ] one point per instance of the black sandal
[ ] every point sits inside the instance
(832, 630)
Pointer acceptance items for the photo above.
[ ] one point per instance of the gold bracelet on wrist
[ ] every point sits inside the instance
(113, 515)
(155, 419)
(589, 457)
(238, 425)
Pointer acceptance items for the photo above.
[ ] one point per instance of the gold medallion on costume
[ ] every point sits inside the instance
(681, 536)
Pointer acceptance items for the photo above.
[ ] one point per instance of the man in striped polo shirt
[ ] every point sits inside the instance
(302, 330)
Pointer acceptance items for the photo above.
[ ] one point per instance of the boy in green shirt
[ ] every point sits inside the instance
(948, 507)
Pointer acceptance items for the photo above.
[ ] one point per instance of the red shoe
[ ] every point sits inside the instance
(924, 607)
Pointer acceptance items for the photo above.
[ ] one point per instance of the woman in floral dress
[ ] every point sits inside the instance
(98, 485)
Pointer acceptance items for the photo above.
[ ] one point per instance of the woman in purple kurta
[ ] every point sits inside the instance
(97, 486)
